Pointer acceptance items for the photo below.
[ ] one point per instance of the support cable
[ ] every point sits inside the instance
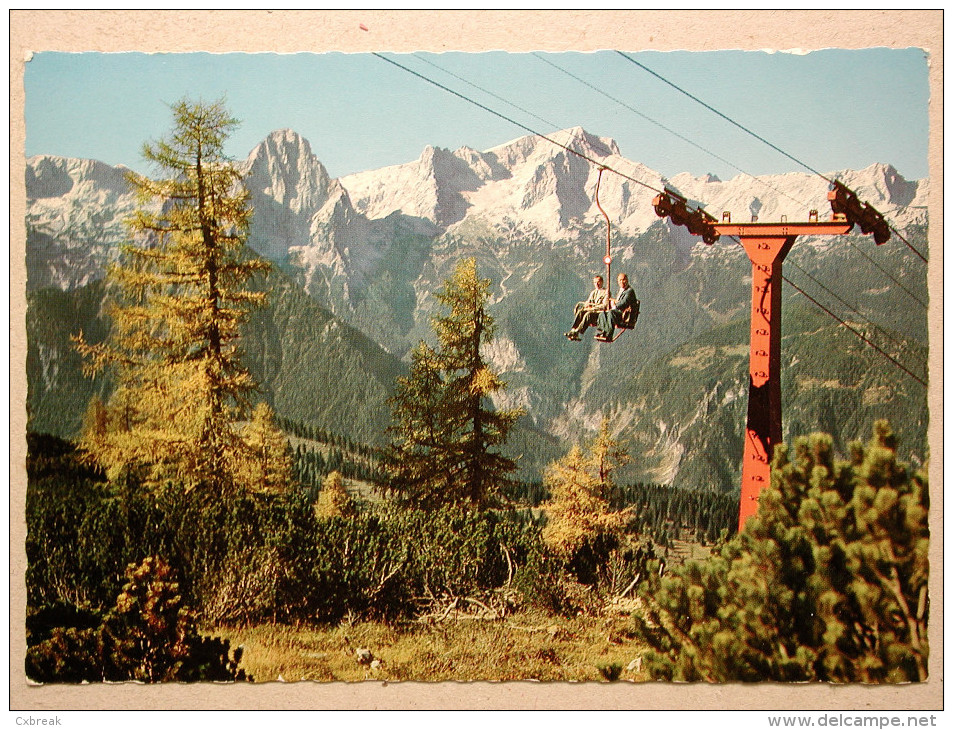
(516, 123)
(849, 242)
(487, 91)
(720, 114)
(662, 126)
(755, 135)
(846, 304)
(854, 331)
(859, 334)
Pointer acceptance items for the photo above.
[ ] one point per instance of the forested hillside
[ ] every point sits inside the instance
(362, 257)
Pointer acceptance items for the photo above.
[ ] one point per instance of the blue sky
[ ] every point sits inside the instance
(830, 109)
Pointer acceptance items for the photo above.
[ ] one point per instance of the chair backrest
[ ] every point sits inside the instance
(630, 316)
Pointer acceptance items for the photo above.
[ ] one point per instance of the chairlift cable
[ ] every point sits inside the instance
(854, 331)
(662, 126)
(720, 114)
(755, 135)
(522, 126)
(859, 334)
(595, 88)
(849, 306)
(486, 91)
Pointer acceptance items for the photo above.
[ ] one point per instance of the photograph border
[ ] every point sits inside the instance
(396, 31)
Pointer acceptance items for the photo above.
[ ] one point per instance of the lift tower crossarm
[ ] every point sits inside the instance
(784, 229)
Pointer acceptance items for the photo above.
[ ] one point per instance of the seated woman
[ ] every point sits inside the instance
(587, 312)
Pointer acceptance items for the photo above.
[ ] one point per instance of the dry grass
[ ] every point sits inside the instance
(525, 646)
(528, 646)
(683, 550)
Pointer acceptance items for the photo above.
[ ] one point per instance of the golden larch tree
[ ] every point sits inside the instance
(581, 487)
(334, 500)
(268, 463)
(179, 293)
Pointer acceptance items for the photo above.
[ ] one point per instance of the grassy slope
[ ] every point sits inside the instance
(526, 646)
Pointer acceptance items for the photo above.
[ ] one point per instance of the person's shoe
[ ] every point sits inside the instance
(572, 335)
(602, 338)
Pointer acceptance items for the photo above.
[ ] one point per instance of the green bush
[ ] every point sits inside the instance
(341, 566)
(828, 582)
(148, 636)
(260, 558)
(381, 565)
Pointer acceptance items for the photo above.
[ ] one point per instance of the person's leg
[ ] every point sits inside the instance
(607, 324)
(584, 320)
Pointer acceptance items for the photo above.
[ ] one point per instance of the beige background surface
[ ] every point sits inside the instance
(474, 30)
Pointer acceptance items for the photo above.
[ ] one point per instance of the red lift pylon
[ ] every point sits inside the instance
(766, 245)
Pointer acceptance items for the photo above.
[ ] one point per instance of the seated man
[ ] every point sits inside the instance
(586, 312)
(613, 316)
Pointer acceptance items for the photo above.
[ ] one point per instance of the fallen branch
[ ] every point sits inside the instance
(482, 605)
(630, 586)
(531, 629)
(452, 606)
(509, 565)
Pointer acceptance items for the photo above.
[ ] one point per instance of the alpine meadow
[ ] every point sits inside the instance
(285, 426)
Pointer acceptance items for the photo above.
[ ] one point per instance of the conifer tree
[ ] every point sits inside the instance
(419, 458)
(607, 456)
(827, 582)
(446, 432)
(469, 384)
(179, 296)
(581, 487)
(334, 501)
(267, 465)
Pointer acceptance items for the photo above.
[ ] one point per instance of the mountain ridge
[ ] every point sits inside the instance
(373, 247)
(528, 187)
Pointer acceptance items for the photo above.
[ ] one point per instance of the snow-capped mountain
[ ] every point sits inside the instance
(532, 187)
(306, 220)
(537, 183)
(373, 247)
(74, 221)
(529, 184)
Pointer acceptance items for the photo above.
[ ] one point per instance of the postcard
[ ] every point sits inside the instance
(379, 359)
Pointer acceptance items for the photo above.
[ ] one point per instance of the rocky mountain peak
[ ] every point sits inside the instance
(881, 182)
(484, 165)
(537, 180)
(290, 189)
(284, 168)
(531, 188)
(554, 145)
(49, 176)
(579, 140)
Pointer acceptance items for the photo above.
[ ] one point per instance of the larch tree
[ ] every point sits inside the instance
(334, 500)
(267, 466)
(179, 295)
(446, 431)
(581, 486)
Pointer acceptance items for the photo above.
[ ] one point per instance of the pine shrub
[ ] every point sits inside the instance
(828, 582)
(149, 636)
